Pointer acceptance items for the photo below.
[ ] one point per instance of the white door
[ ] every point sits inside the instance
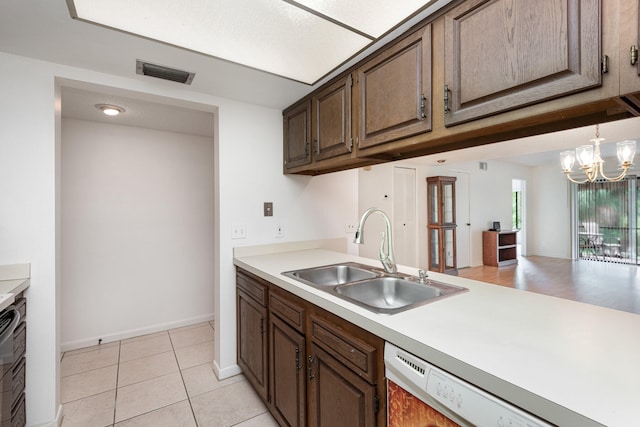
(405, 232)
(463, 209)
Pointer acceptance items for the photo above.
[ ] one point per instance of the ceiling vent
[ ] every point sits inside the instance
(165, 73)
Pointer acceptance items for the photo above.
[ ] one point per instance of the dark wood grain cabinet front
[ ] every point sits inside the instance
(322, 370)
(395, 91)
(505, 54)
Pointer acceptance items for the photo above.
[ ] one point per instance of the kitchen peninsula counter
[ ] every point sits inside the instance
(567, 362)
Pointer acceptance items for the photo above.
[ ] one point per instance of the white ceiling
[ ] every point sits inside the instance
(302, 41)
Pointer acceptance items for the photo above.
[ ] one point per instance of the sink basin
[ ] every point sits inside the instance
(371, 288)
(332, 275)
(387, 295)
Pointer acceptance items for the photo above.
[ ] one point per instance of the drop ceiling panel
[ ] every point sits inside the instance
(269, 35)
(372, 17)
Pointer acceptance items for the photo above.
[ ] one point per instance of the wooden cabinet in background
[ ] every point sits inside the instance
(499, 248)
(441, 224)
(395, 91)
(297, 135)
(505, 54)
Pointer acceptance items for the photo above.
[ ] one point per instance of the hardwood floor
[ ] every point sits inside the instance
(609, 285)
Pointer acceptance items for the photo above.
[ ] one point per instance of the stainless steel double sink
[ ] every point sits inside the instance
(372, 289)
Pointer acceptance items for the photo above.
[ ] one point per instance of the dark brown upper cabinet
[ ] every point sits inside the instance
(395, 91)
(331, 122)
(505, 54)
(297, 135)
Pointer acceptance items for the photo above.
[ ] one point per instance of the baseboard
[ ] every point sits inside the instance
(134, 333)
(57, 422)
(229, 371)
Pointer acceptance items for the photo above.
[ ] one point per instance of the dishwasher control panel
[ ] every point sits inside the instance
(474, 404)
(457, 400)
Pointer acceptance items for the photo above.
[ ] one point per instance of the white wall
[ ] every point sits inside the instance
(248, 171)
(549, 213)
(137, 231)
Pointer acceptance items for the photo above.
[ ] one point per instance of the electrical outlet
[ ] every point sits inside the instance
(239, 231)
(350, 228)
(279, 231)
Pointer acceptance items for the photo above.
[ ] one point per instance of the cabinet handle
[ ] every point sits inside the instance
(317, 143)
(310, 368)
(306, 149)
(633, 54)
(446, 99)
(423, 102)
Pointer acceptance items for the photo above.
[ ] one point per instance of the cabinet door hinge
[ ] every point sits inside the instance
(310, 367)
(297, 360)
(350, 145)
(376, 404)
(262, 326)
(306, 149)
(605, 64)
(446, 99)
(633, 53)
(423, 106)
(350, 81)
(317, 144)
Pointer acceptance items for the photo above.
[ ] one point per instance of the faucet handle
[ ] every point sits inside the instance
(423, 276)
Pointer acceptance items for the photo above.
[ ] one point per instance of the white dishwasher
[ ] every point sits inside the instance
(420, 394)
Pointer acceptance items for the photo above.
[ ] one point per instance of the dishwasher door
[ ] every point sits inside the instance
(420, 394)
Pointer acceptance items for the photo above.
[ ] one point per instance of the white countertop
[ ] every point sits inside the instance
(13, 280)
(567, 362)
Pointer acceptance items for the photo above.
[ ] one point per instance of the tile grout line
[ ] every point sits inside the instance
(195, 420)
(115, 399)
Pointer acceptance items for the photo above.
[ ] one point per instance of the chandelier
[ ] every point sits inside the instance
(592, 164)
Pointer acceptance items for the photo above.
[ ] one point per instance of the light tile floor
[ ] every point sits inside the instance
(162, 379)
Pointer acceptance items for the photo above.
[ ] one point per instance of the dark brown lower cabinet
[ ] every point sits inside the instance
(252, 342)
(337, 395)
(310, 367)
(287, 373)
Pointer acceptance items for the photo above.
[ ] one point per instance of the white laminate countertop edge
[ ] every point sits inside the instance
(559, 359)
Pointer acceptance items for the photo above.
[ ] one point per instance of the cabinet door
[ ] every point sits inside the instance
(629, 37)
(287, 373)
(252, 342)
(332, 120)
(505, 54)
(297, 135)
(337, 396)
(395, 91)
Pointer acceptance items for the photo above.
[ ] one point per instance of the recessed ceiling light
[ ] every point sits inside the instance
(110, 110)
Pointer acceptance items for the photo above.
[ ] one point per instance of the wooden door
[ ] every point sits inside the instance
(395, 91)
(252, 342)
(297, 135)
(332, 120)
(287, 373)
(505, 54)
(337, 396)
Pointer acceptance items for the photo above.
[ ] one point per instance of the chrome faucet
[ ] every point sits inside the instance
(386, 250)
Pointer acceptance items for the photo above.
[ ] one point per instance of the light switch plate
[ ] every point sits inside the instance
(238, 231)
(268, 208)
